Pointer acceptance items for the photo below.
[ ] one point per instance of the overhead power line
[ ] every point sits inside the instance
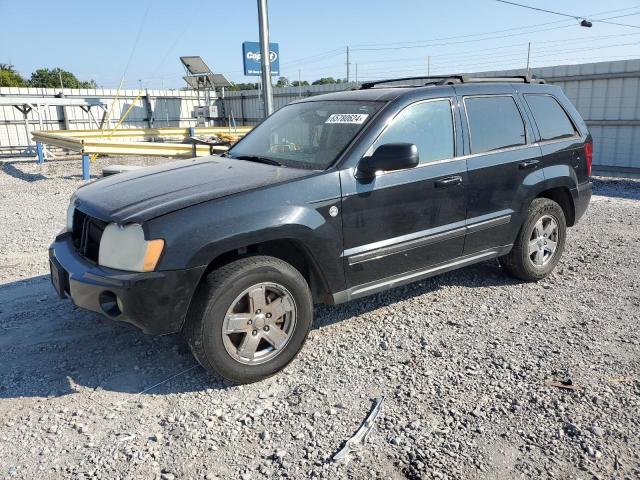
(496, 37)
(577, 17)
(495, 51)
(362, 46)
(582, 18)
(511, 58)
(503, 66)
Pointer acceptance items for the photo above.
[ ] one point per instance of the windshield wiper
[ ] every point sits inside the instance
(258, 159)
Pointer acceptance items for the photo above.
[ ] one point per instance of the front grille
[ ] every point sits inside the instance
(86, 234)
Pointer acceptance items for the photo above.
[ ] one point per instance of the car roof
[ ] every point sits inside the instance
(387, 94)
(370, 94)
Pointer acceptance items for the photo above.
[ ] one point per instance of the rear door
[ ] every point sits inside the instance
(503, 163)
(561, 144)
(405, 220)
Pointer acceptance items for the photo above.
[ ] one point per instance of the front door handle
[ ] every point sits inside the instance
(449, 181)
(528, 164)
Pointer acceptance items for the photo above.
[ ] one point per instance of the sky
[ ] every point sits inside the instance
(142, 40)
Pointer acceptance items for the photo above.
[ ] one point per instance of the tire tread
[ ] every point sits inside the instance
(193, 330)
(514, 262)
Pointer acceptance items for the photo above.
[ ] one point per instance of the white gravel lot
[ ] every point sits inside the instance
(463, 360)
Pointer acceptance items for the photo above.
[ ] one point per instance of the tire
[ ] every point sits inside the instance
(530, 259)
(228, 298)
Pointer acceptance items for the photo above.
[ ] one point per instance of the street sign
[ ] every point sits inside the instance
(251, 59)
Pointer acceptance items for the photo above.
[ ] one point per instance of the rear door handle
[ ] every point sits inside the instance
(528, 164)
(449, 181)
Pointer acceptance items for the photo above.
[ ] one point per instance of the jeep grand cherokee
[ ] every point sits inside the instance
(329, 199)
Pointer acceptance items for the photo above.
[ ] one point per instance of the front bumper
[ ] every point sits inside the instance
(155, 302)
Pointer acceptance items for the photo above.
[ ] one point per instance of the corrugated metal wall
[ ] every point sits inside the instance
(607, 94)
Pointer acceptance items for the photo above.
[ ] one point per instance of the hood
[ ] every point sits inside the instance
(147, 193)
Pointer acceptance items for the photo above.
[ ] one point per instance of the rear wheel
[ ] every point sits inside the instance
(540, 242)
(250, 318)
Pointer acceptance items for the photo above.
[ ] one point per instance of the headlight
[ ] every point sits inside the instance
(125, 248)
(70, 210)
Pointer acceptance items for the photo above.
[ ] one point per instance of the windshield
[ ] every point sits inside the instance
(306, 135)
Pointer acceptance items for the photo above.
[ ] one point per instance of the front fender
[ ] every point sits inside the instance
(297, 211)
(301, 224)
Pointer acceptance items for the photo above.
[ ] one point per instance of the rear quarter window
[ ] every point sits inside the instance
(552, 121)
(494, 123)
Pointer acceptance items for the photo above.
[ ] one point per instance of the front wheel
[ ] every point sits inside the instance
(250, 318)
(540, 242)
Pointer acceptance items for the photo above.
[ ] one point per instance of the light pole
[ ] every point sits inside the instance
(267, 93)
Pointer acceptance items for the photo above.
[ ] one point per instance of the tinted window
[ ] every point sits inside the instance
(429, 125)
(494, 122)
(551, 119)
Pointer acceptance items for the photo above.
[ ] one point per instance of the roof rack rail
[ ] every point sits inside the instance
(454, 79)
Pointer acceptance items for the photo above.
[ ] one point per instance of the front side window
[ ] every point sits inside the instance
(428, 125)
(494, 123)
(307, 135)
(553, 122)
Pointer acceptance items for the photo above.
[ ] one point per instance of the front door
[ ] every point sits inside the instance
(406, 220)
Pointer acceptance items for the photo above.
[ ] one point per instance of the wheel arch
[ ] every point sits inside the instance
(562, 196)
(290, 250)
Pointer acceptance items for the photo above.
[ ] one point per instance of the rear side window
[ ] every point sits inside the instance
(552, 120)
(428, 125)
(494, 123)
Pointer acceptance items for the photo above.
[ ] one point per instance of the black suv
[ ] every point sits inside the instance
(331, 198)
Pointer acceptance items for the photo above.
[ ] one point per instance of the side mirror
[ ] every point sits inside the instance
(389, 157)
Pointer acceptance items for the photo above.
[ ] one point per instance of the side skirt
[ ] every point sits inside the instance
(388, 283)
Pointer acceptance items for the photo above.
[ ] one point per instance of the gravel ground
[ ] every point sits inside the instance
(464, 362)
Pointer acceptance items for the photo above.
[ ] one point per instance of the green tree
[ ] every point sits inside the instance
(9, 77)
(324, 81)
(297, 83)
(282, 82)
(50, 78)
(243, 86)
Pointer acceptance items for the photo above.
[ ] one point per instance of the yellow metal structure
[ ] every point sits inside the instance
(150, 133)
(93, 146)
(93, 142)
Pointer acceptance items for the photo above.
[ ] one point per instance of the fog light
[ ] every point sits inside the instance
(110, 303)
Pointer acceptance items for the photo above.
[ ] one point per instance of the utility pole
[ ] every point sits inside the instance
(348, 63)
(356, 73)
(60, 77)
(528, 57)
(263, 20)
(299, 83)
(429, 66)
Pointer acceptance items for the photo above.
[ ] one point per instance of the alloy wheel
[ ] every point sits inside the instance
(543, 241)
(259, 323)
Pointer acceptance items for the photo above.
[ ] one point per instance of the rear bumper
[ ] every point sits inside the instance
(581, 198)
(155, 302)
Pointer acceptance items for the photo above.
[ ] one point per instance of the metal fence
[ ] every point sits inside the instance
(607, 94)
(152, 108)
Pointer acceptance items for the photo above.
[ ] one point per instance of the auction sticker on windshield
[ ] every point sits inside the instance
(353, 118)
